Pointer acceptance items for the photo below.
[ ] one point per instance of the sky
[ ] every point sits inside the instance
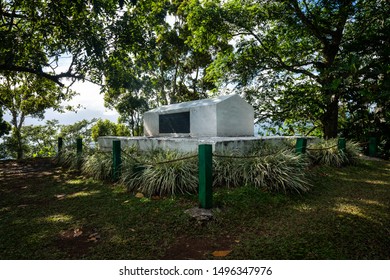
(92, 106)
(89, 98)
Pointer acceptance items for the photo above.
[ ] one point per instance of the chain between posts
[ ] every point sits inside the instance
(129, 155)
(215, 155)
(322, 149)
(174, 160)
(245, 157)
(160, 162)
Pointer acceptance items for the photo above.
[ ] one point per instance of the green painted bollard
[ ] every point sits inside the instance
(79, 145)
(116, 159)
(79, 148)
(205, 155)
(341, 145)
(60, 145)
(372, 147)
(300, 147)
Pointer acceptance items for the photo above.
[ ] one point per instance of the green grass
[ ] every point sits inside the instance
(62, 215)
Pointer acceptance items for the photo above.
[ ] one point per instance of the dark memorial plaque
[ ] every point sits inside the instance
(174, 123)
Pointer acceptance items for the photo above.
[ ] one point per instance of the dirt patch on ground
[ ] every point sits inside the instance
(16, 174)
(34, 174)
(190, 248)
(76, 242)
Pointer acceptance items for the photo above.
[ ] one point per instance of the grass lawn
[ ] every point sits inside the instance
(49, 213)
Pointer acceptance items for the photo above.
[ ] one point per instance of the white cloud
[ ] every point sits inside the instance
(91, 102)
(89, 98)
(92, 106)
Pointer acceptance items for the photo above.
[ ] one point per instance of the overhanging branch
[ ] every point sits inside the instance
(53, 77)
(279, 61)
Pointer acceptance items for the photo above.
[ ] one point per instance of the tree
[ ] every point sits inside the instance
(106, 127)
(28, 95)
(41, 140)
(131, 110)
(4, 126)
(35, 34)
(298, 60)
(81, 129)
(160, 69)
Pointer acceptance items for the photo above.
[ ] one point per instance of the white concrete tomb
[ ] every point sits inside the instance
(223, 116)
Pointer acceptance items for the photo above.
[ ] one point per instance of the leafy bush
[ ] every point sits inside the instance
(327, 152)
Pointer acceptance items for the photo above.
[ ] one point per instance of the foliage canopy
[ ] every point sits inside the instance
(299, 61)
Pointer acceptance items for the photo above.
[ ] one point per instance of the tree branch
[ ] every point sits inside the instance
(53, 77)
(281, 63)
(315, 29)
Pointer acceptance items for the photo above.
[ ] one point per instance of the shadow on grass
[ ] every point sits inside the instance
(346, 216)
(62, 215)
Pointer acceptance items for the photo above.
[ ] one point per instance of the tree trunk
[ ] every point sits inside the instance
(19, 145)
(330, 119)
(17, 133)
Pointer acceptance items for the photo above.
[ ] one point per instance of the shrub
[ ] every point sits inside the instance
(283, 171)
(327, 152)
(98, 165)
(164, 172)
(352, 152)
(273, 170)
(69, 158)
(161, 172)
(227, 170)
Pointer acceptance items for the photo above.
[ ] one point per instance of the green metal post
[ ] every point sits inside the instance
(79, 147)
(300, 147)
(60, 144)
(342, 145)
(372, 147)
(205, 176)
(116, 159)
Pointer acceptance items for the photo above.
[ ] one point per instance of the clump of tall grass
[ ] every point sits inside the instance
(352, 152)
(167, 172)
(70, 159)
(227, 170)
(162, 172)
(326, 152)
(281, 172)
(268, 168)
(98, 165)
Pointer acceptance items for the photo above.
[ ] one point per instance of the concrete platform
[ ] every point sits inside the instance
(190, 144)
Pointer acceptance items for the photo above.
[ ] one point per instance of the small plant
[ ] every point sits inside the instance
(281, 172)
(327, 152)
(69, 158)
(98, 165)
(271, 169)
(227, 169)
(162, 173)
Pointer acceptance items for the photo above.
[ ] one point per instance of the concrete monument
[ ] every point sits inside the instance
(225, 122)
(223, 116)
